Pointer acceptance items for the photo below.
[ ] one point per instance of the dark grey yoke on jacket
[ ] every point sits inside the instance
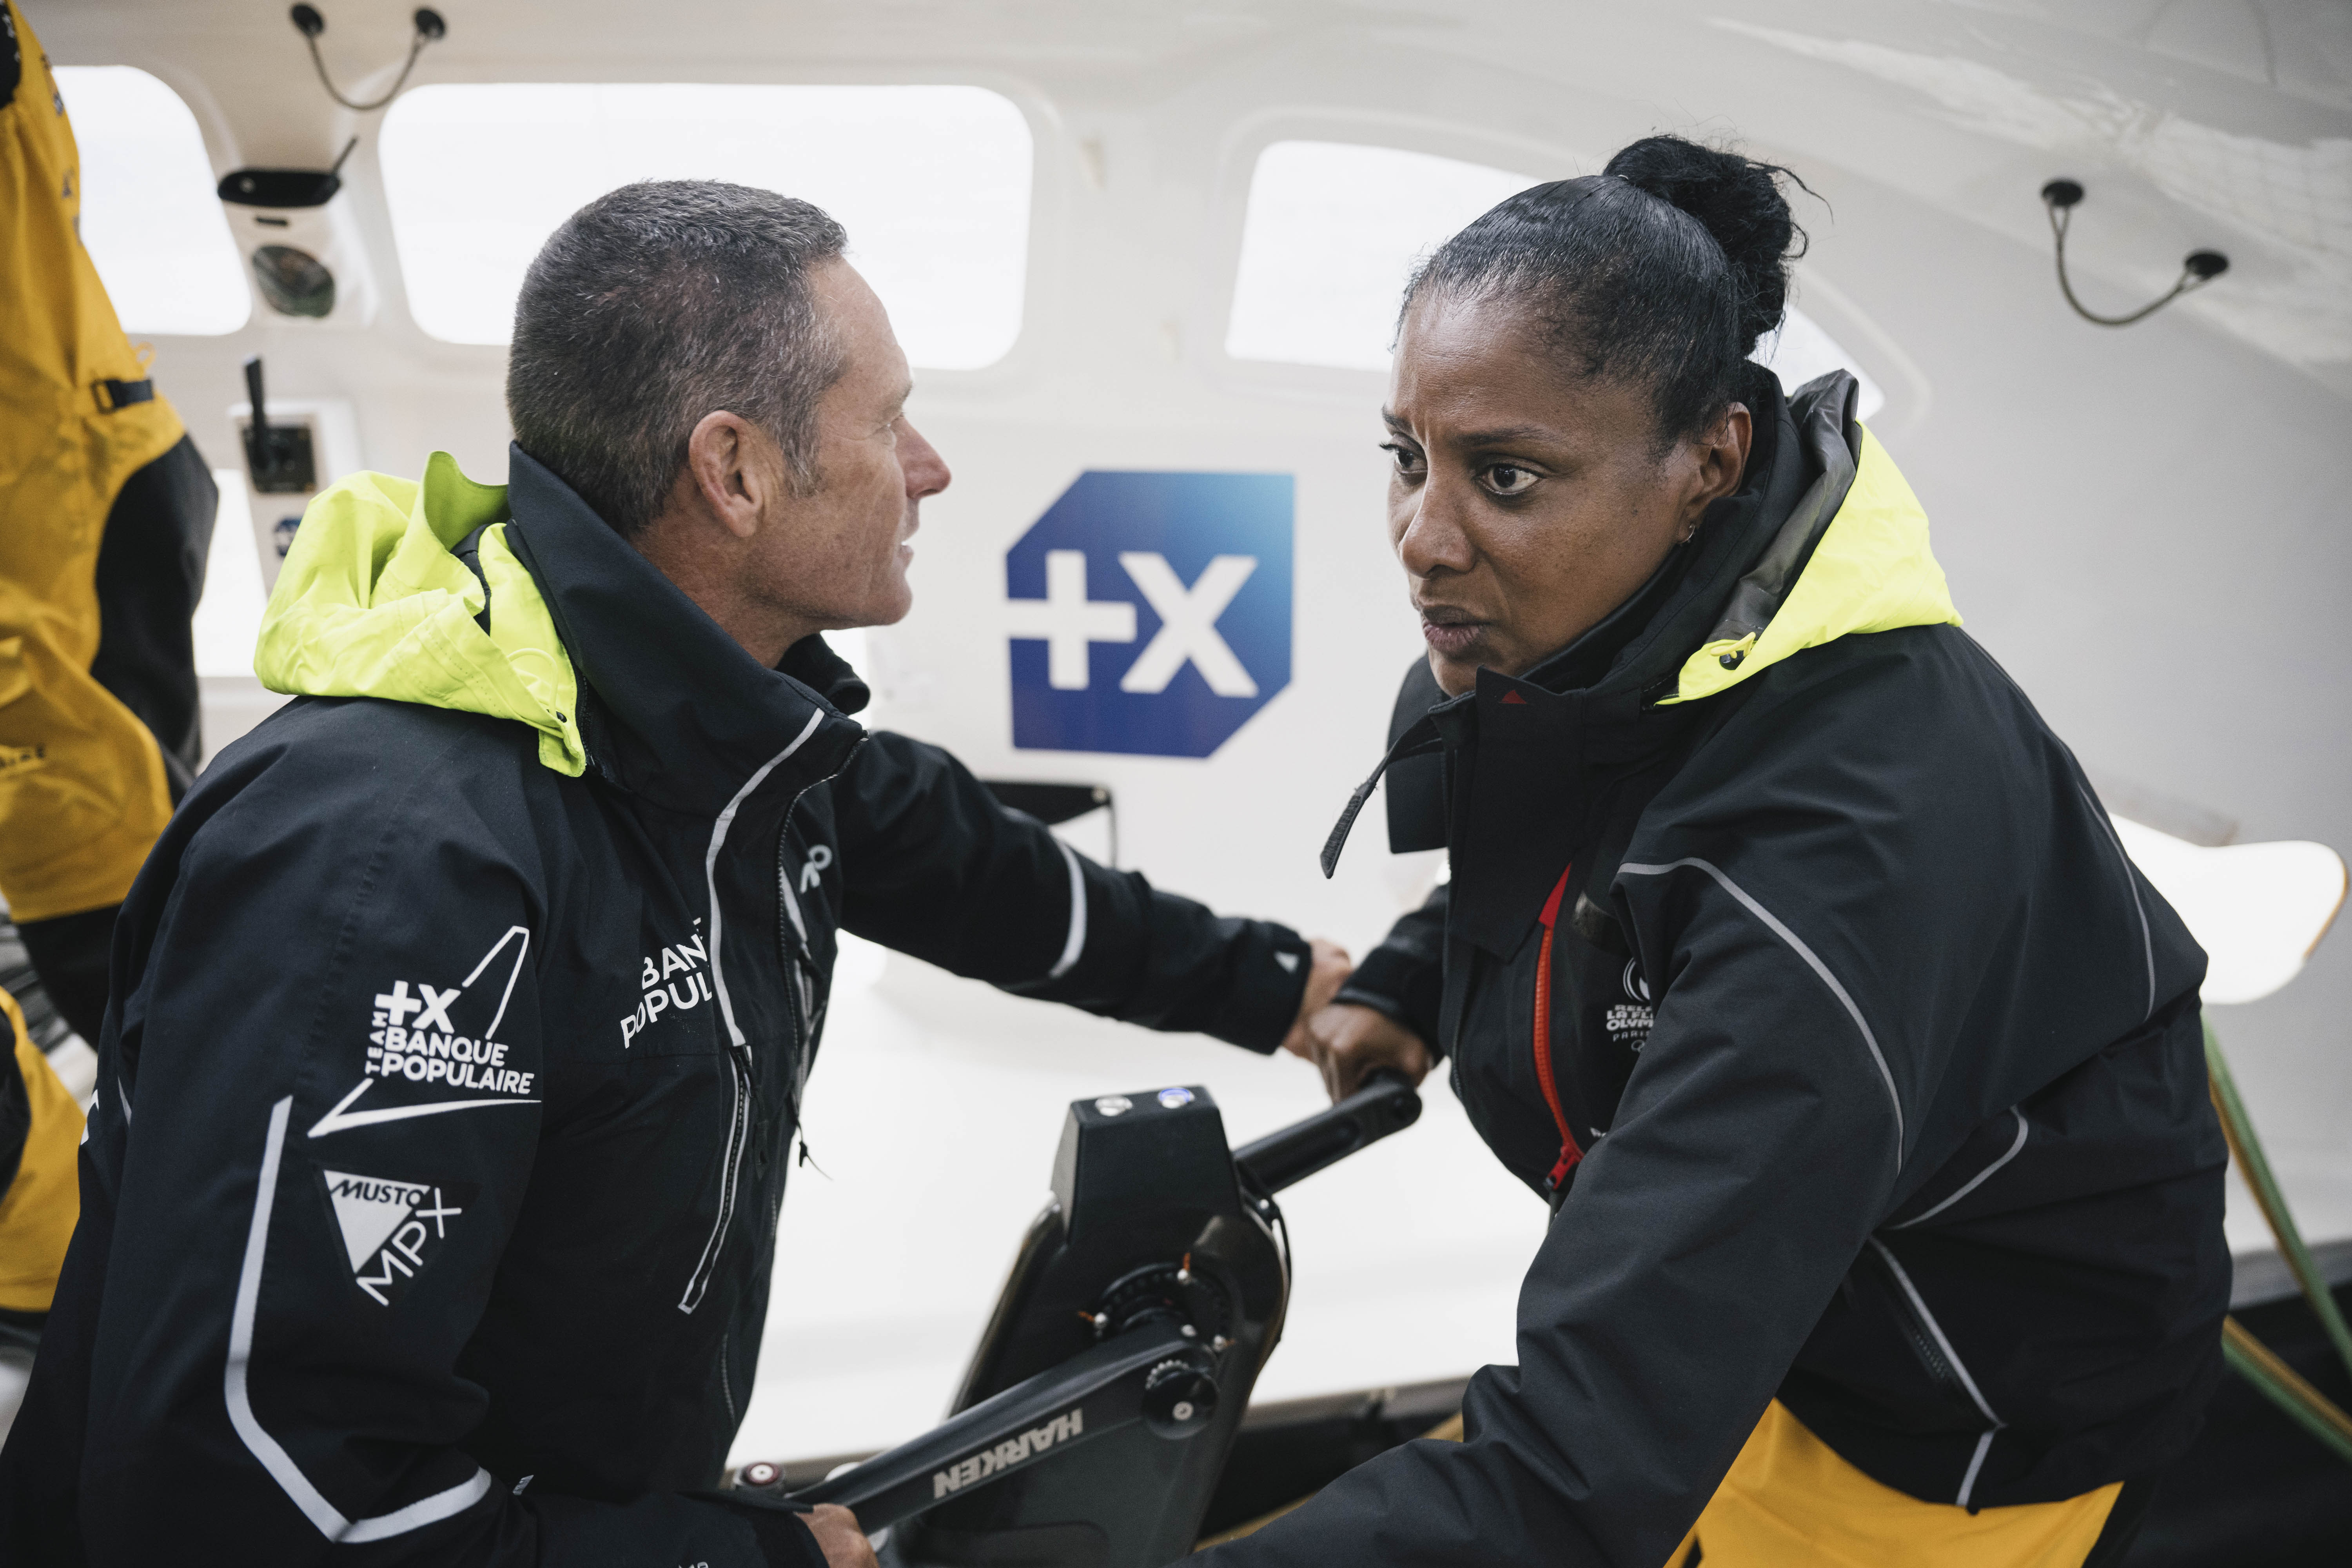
(240, 1368)
(1917, 1141)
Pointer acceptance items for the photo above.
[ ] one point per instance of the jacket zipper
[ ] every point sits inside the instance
(1921, 1335)
(739, 1065)
(738, 1068)
(798, 1001)
(1570, 1152)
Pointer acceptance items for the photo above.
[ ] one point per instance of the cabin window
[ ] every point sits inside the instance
(932, 184)
(1331, 232)
(1333, 229)
(149, 218)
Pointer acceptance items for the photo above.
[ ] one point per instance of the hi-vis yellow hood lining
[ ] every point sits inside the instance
(373, 603)
(1872, 572)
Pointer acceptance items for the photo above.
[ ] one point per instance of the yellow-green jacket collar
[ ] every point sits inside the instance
(373, 603)
(1872, 572)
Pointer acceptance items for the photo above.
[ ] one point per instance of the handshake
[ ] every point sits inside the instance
(1345, 1041)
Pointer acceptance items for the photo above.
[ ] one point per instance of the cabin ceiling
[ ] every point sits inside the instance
(2220, 123)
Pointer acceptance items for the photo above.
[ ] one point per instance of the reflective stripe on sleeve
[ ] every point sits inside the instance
(1076, 943)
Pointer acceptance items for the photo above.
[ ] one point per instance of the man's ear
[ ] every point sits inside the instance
(721, 460)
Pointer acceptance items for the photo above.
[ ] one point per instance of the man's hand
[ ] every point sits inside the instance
(1328, 967)
(1348, 1044)
(837, 1536)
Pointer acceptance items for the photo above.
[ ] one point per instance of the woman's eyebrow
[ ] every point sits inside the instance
(1505, 435)
(1502, 435)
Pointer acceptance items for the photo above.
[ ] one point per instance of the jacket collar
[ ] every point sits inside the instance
(682, 717)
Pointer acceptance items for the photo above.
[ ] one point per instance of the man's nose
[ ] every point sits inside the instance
(926, 472)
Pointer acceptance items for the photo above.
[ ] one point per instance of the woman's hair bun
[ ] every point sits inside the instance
(1664, 270)
(1738, 201)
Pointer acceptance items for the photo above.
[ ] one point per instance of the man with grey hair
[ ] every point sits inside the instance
(465, 1011)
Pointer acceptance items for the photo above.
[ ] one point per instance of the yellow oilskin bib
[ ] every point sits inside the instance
(39, 1210)
(83, 794)
(1791, 1502)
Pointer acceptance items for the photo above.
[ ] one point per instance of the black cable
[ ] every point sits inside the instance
(309, 23)
(2059, 198)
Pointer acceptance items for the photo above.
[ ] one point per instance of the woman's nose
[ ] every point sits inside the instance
(1433, 540)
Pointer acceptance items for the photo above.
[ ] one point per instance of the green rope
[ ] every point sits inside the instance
(2257, 1168)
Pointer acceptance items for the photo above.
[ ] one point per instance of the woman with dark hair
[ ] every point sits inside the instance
(1786, 951)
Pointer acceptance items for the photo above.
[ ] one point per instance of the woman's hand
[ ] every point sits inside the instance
(1348, 1044)
(1327, 968)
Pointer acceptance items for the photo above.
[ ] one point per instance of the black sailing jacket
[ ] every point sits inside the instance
(1791, 953)
(429, 1200)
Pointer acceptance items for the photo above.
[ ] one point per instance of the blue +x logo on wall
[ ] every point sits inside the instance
(1150, 613)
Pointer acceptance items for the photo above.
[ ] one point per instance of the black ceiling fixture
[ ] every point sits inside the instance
(284, 187)
(2199, 268)
(430, 28)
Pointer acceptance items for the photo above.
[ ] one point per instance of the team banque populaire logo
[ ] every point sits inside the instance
(1150, 613)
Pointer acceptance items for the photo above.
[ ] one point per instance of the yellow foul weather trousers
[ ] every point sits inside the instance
(1790, 1501)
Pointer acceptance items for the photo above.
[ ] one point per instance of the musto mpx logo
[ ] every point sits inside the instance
(1150, 613)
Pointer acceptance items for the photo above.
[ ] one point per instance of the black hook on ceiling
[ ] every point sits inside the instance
(2199, 268)
(430, 28)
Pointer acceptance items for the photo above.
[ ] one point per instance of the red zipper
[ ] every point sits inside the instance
(1568, 1152)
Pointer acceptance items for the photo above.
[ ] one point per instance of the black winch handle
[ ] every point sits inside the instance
(1152, 1374)
(1386, 1104)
